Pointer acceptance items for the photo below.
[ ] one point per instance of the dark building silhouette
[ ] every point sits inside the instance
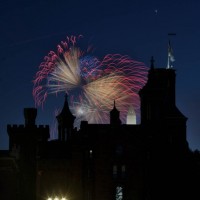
(115, 161)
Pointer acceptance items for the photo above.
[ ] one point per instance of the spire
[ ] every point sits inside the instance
(65, 117)
(114, 116)
(152, 62)
(131, 116)
(114, 108)
(66, 97)
(65, 122)
(66, 105)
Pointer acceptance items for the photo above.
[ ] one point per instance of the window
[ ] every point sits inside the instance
(119, 150)
(91, 152)
(119, 171)
(119, 193)
(123, 172)
(114, 171)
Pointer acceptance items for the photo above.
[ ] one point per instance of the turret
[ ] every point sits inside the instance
(30, 115)
(114, 116)
(65, 122)
(25, 144)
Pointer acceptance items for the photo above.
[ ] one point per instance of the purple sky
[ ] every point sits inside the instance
(31, 28)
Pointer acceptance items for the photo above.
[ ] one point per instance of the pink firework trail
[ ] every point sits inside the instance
(92, 84)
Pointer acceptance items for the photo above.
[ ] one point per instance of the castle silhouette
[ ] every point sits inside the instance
(147, 161)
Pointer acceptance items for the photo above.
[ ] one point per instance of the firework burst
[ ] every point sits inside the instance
(92, 84)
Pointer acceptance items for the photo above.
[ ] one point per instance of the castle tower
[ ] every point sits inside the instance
(20, 136)
(158, 107)
(65, 122)
(24, 142)
(164, 129)
(158, 95)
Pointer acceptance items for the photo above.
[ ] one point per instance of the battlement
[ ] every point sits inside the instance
(22, 134)
(16, 127)
(30, 115)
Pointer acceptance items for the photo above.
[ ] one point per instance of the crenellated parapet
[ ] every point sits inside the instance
(22, 134)
(20, 127)
(28, 134)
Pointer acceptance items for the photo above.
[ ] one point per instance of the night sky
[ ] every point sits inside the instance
(31, 28)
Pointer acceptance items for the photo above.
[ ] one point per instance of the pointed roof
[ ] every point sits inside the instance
(114, 116)
(114, 110)
(65, 114)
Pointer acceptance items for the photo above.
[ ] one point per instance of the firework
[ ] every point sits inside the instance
(92, 84)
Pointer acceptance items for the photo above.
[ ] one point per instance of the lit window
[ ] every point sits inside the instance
(56, 198)
(123, 171)
(119, 150)
(90, 153)
(114, 171)
(119, 193)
